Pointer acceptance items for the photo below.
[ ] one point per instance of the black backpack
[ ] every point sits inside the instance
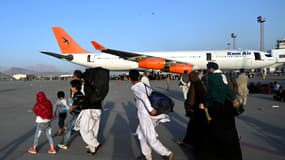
(161, 102)
(96, 85)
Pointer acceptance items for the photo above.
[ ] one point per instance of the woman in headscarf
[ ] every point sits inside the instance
(194, 108)
(43, 111)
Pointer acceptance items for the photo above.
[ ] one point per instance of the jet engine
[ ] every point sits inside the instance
(152, 63)
(180, 68)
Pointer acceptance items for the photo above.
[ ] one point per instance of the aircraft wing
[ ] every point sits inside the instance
(122, 54)
(148, 61)
(129, 55)
(59, 56)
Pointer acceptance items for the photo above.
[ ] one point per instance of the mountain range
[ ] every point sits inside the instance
(38, 70)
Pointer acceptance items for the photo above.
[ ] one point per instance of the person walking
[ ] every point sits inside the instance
(60, 112)
(43, 111)
(145, 78)
(222, 139)
(197, 128)
(96, 89)
(184, 83)
(242, 82)
(146, 127)
(75, 108)
(167, 81)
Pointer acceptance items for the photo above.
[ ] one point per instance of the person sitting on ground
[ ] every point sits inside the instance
(276, 87)
(279, 94)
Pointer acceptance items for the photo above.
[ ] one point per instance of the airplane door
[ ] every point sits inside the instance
(90, 58)
(208, 56)
(257, 56)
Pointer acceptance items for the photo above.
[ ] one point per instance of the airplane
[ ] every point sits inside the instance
(179, 61)
(74, 53)
(168, 61)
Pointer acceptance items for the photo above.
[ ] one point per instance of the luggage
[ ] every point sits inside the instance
(96, 85)
(159, 101)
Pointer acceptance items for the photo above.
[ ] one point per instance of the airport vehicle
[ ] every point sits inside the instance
(168, 61)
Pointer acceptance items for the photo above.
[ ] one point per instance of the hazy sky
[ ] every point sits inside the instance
(134, 25)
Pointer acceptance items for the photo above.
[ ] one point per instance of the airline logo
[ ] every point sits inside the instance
(66, 41)
(238, 53)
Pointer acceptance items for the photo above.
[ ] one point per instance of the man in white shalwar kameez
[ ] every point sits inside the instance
(88, 124)
(146, 127)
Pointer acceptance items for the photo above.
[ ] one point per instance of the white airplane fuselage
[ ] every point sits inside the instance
(103, 60)
(227, 59)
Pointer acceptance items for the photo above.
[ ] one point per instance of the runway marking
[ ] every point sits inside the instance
(275, 106)
(260, 148)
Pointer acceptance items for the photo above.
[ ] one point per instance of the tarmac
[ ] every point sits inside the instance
(261, 126)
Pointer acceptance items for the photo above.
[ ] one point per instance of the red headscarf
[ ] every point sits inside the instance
(43, 106)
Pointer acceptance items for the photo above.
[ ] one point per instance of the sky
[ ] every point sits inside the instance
(134, 25)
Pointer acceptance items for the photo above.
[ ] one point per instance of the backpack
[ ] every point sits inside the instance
(96, 85)
(161, 102)
(60, 108)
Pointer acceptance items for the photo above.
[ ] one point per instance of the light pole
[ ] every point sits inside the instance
(228, 44)
(234, 36)
(261, 20)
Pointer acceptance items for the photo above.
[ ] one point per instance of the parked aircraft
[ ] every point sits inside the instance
(72, 52)
(178, 61)
(168, 61)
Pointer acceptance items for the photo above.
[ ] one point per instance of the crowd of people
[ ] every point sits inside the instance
(210, 104)
(271, 88)
(83, 118)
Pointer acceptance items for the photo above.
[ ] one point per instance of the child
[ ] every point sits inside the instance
(43, 111)
(60, 111)
(74, 109)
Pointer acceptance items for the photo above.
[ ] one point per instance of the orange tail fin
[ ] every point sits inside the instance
(66, 42)
(98, 46)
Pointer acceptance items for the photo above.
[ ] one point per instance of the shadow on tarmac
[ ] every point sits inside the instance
(107, 108)
(9, 148)
(175, 127)
(271, 134)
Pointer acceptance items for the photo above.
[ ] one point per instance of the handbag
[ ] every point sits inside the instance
(239, 109)
(161, 102)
